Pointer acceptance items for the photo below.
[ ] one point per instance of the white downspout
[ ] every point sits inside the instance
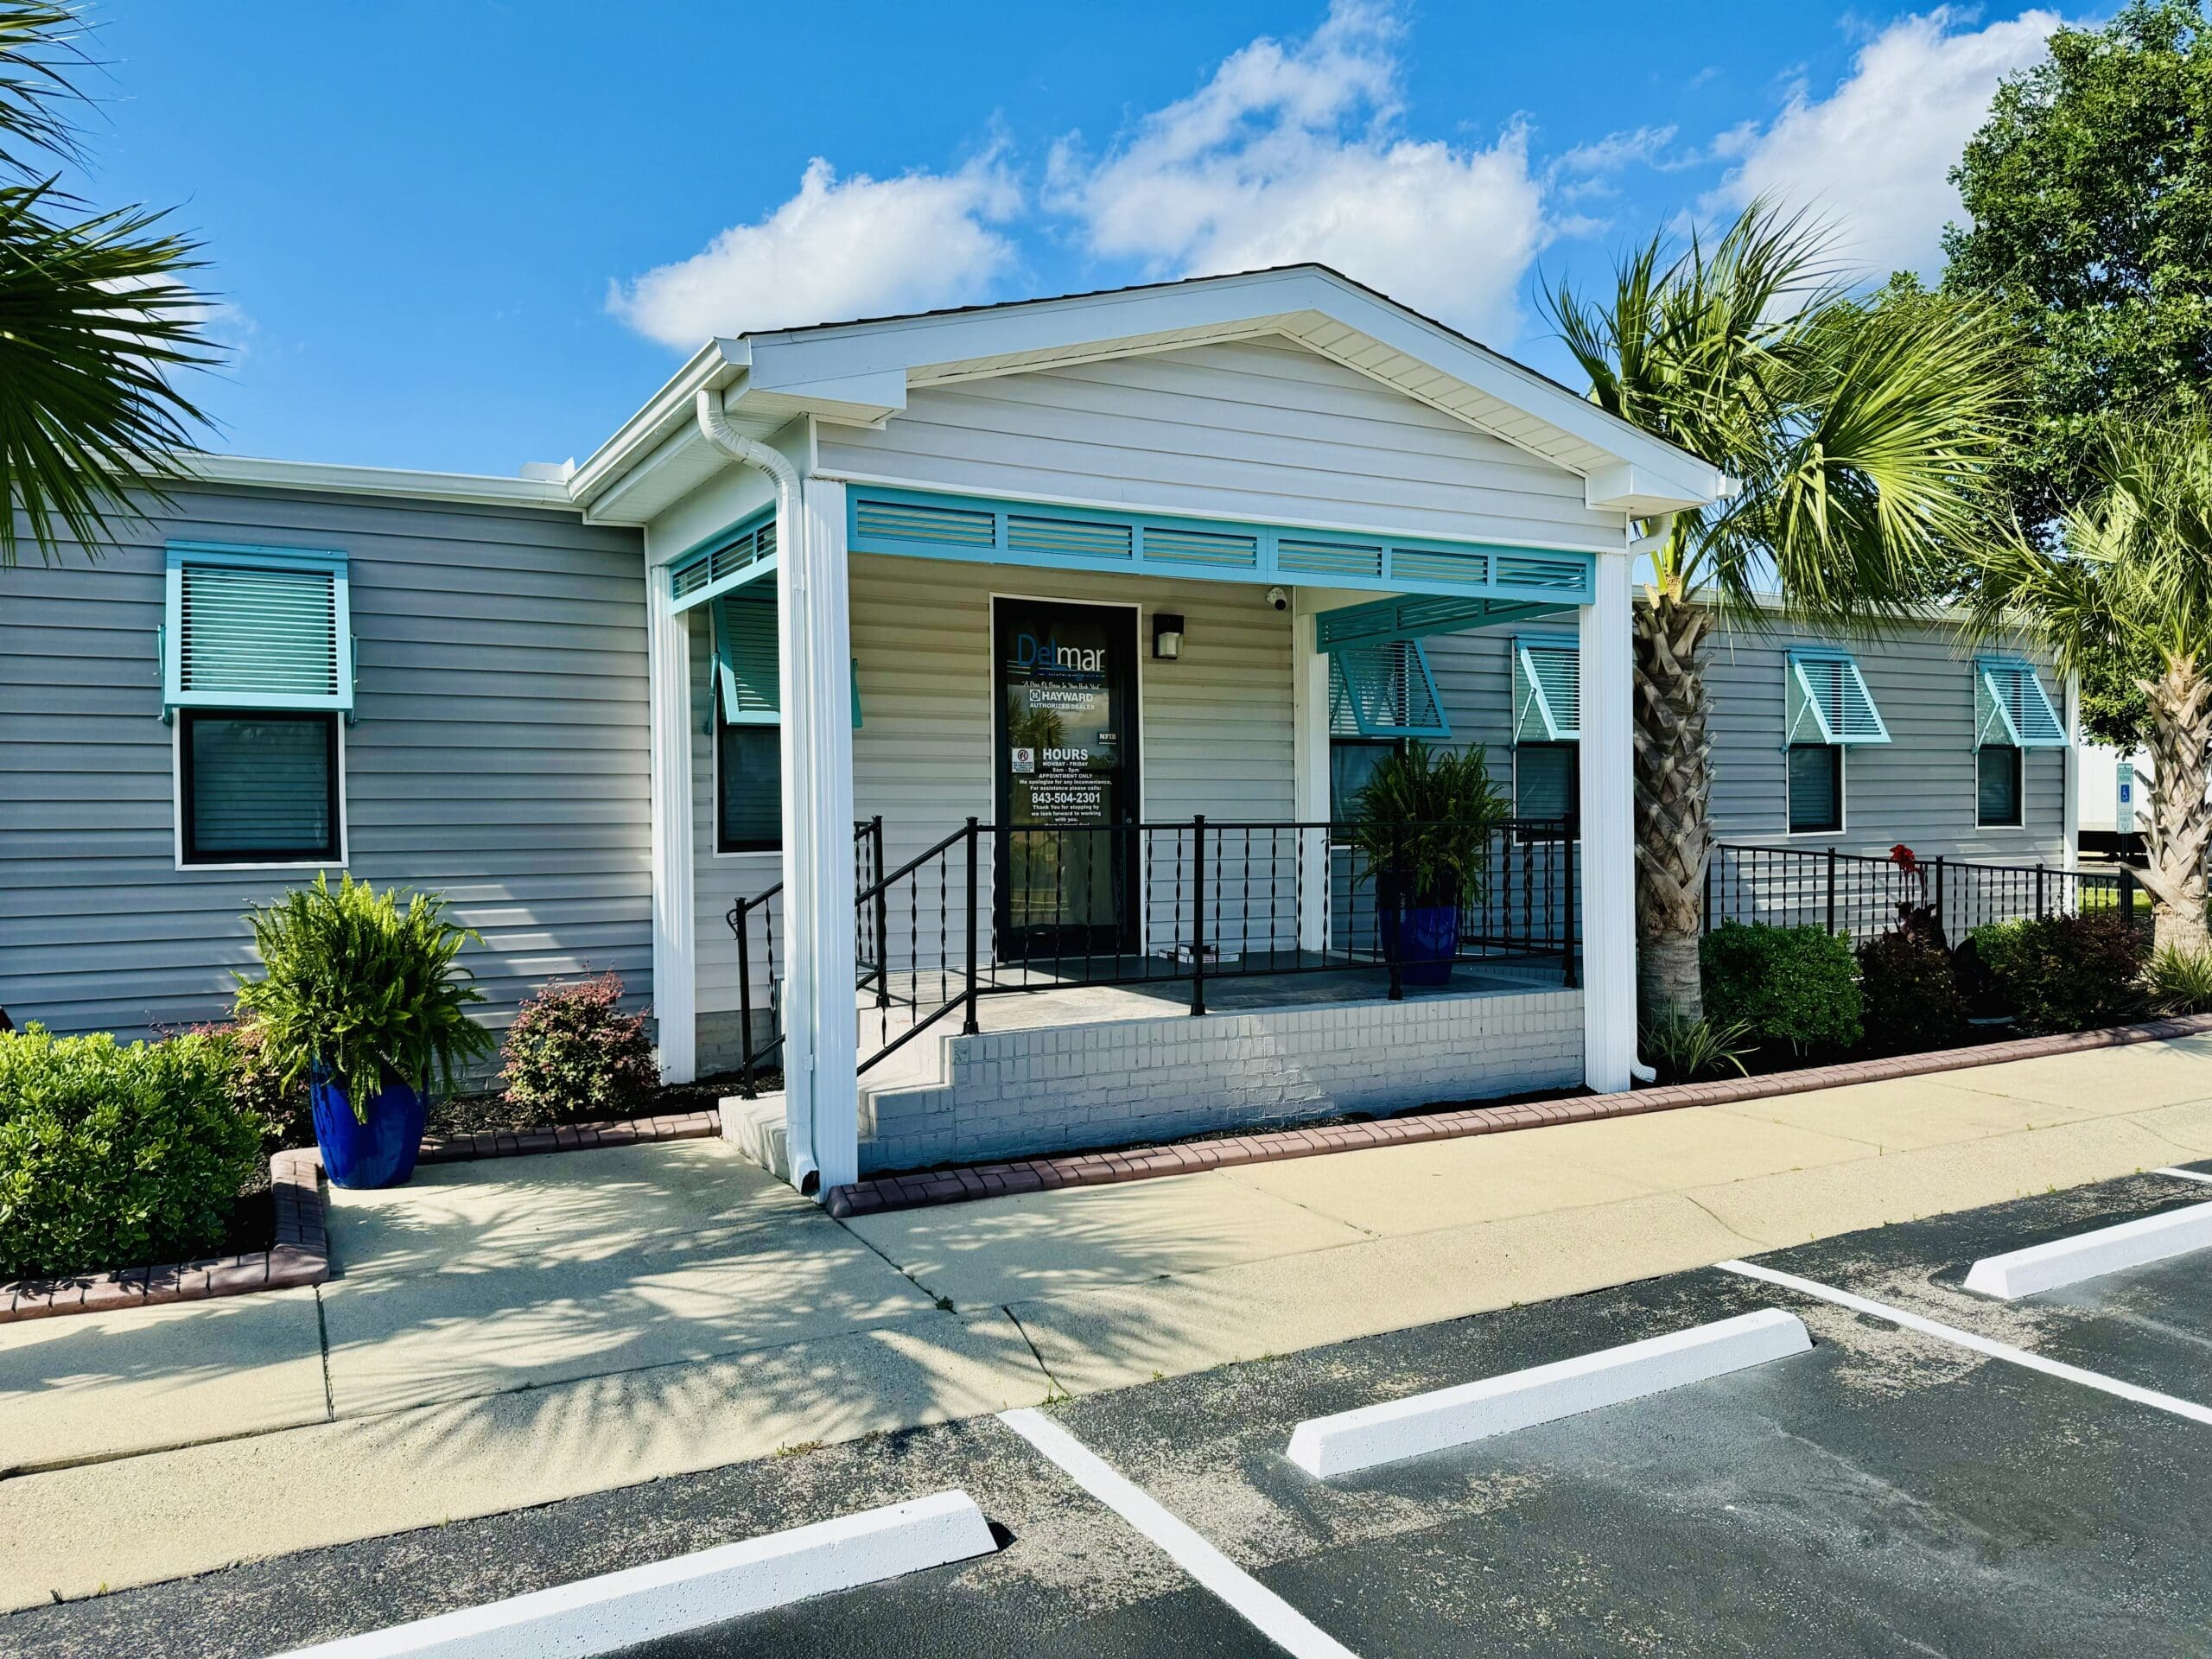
(715, 427)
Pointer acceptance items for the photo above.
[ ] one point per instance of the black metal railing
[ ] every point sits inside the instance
(1858, 895)
(755, 920)
(990, 911)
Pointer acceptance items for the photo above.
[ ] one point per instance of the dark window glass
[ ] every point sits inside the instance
(1816, 788)
(260, 787)
(1352, 761)
(1997, 785)
(1546, 779)
(749, 817)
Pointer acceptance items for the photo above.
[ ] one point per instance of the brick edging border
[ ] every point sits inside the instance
(928, 1188)
(299, 1249)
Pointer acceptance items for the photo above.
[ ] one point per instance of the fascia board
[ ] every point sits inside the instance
(714, 367)
(330, 478)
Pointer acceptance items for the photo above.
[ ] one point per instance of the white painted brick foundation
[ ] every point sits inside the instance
(1134, 1082)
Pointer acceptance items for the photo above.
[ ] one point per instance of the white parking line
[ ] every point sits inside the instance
(1979, 1345)
(1268, 1613)
(2126, 1244)
(2185, 1175)
(1397, 1429)
(620, 1609)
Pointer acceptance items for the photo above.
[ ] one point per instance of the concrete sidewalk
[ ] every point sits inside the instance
(507, 1333)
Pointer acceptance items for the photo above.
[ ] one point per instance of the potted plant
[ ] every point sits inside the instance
(1424, 822)
(368, 1003)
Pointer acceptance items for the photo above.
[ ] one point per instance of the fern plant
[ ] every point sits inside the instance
(1425, 822)
(359, 990)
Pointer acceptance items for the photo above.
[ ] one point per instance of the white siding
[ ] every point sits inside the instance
(1260, 431)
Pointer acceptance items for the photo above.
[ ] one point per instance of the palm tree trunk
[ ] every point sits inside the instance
(2181, 818)
(1673, 836)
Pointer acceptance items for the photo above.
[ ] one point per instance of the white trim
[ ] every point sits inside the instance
(2069, 772)
(675, 924)
(621, 1610)
(1266, 1611)
(1332, 526)
(1973, 1341)
(1445, 1418)
(1608, 829)
(2091, 1256)
(176, 801)
(1310, 769)
(478, 489)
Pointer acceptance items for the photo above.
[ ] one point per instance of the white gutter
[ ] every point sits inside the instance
(715, 427)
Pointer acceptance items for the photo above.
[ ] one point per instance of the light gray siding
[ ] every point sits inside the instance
(1917, 789)
(1265, 431)
(497, 756)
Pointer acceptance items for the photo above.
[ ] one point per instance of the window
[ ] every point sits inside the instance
(258, 786)
(256, 670)
(749, 791)
(1997, 787)
(1816, 788)
(1352, 761)
(1547, 780)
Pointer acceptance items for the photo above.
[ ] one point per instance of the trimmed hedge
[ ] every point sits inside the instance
(114, 1157)
(1793, 986)
(1909, 995)
(2068, 973)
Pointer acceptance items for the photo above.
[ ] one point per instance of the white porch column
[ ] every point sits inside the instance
(668, 679)
(1608, 833)
(827, 665)
(1309, 683)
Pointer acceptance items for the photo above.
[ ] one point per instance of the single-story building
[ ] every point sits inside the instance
(937, 711)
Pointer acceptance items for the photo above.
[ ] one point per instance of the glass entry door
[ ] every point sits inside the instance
(1065, 678)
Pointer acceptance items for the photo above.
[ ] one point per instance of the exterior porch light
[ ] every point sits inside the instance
(1166, 635)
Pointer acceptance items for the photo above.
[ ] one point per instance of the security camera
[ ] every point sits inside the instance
(1278, 599)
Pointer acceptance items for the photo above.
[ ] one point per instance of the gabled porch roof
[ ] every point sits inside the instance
(861, 372)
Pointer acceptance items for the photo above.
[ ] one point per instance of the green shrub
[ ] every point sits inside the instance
(1793, 986)
(1909, 997)
(2180, 982)
(2071, 973)
(572, 1051)
(1690, 1051)
(258, 1091)
(363, 991)
(116, 1157)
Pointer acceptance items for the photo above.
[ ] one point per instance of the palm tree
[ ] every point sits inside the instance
(93, 316)
(2133, 577)
(1859, 429)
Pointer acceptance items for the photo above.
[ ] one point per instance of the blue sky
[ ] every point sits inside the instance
(463, 234)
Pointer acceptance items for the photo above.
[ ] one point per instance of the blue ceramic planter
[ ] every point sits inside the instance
(379, 1153)
(1424, 941)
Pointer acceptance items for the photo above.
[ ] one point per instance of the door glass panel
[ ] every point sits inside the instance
(1067, 746)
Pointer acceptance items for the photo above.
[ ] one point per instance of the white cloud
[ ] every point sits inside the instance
(1291, 152)
(1874, 156)
(840, 248)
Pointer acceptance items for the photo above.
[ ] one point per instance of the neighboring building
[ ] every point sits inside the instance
(2112, 799)
(1084, 570)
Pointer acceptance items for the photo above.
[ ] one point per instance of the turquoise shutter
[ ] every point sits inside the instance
(1387, 691)
(256, 628)
(1547, 691)
(2011, 707)
(1829, 702)
(747, 659)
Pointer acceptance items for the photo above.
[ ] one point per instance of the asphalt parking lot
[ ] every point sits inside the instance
(1891, 1491)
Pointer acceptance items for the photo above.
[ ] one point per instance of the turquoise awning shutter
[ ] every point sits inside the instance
(747, 664)
(1829, 702)
(748, 660)
(1547, 690)
(2011, 707)
(256, 628)
(1385, 689)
